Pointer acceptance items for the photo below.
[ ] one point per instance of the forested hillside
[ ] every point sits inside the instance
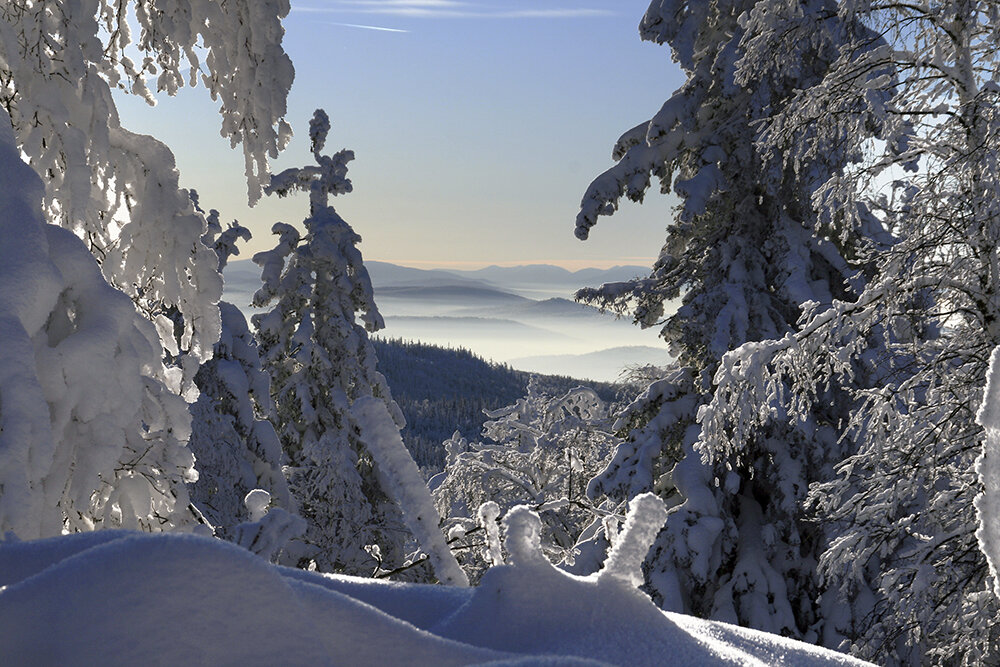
(442, 390)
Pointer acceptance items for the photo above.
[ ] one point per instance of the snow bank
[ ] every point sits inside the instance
(121, 598)
(141, 599)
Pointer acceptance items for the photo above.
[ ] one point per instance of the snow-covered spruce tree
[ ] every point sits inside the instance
(232, 437)
(746, 256)
(117, 190)
(904, 558)
(540, 451)
(350, 474)
(92, 431)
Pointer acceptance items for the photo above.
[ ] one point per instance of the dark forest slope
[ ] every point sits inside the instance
(441, 390)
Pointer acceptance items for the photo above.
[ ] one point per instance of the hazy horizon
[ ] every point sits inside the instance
(511, 317)
(571, 265)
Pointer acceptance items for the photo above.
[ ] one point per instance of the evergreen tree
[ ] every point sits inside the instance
(118, 438)
(747, 257)
(346, 469)
(903, 557)
(235, 445)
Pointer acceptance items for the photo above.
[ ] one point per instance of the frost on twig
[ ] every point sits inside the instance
(488, 514)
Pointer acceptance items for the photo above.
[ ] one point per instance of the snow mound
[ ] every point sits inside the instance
(180, 599)
(121, 598)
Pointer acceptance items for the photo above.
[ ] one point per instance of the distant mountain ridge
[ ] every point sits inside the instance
(501, 277)
(385, 274)
(551, 273)
(244, 275)
(500, 312)
(448, 293)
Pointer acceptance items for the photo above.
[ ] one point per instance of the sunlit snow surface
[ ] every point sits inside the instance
(118, 598)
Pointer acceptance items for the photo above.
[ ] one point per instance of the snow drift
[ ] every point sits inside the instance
(123, 598)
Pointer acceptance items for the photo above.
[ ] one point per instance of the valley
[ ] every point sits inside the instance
(523, 316)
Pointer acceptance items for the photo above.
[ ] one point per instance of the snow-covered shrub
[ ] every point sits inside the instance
(235, 444)
(540, 452)
(269, 529)
(232, 436)
(92, 429)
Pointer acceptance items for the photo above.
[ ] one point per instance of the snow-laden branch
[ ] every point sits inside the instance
(646, 516)
(381, 434)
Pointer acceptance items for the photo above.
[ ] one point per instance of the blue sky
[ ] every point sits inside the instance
(477, 127)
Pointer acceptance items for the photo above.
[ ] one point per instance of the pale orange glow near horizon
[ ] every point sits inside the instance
(472, 265)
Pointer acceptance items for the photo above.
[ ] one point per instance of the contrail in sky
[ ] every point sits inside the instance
(369, 27)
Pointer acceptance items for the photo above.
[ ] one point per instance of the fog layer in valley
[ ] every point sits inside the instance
(524, 315)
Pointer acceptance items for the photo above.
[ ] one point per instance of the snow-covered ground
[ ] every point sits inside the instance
(120, 598)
